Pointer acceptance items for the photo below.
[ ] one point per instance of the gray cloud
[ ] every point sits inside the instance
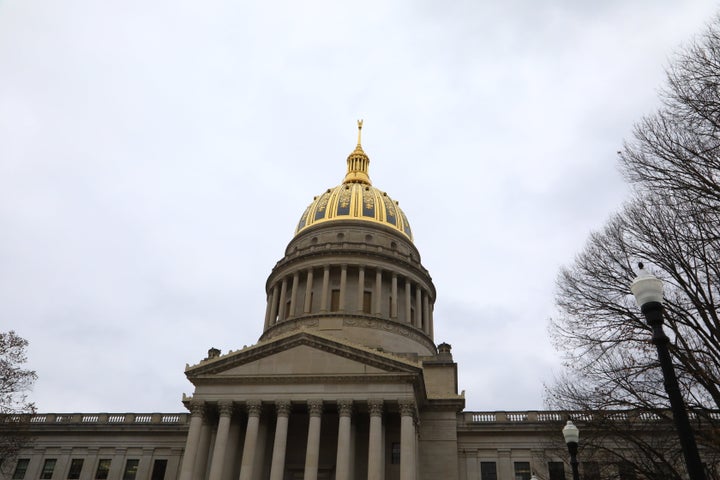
(154, 159)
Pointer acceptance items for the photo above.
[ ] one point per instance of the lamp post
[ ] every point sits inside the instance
(572, 435)
(648, 292)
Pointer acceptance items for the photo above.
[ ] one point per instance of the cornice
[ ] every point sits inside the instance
(294, 379)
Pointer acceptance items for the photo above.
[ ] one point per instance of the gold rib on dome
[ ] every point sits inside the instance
(356, 199)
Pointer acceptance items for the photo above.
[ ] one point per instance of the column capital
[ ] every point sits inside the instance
(407, 408)
(345, 408)
(254, 407)
(283, 408)
(315, 408)
(225, 408)
(375, 407)
(197, 408)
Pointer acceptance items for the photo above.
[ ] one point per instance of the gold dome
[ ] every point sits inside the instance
(355, 199)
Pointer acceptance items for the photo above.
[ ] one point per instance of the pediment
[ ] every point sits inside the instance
(303, 354)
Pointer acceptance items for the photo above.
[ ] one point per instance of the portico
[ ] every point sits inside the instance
(364, 434)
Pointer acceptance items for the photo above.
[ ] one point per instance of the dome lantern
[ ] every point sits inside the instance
(358, 162)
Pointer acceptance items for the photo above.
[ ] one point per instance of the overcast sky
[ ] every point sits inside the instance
(155, 158)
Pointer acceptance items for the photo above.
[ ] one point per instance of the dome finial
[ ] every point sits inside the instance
(358, 162)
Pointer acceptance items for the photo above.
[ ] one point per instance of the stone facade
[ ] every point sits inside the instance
(345, 383)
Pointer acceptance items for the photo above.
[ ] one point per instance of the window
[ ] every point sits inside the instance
(103, 469)
(591, 470)
(395, 454)
(131, 467)
(20, 468)
(488, 471)
(75, 468)
(158, 472)
(522, 470)
(48, 468)
(367, 302)
(556, 470)
(335, 301)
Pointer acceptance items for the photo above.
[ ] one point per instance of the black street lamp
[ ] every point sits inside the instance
(648, 292)
(572, 435)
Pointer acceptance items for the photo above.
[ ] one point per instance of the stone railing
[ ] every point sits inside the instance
(104, 418)
(540, 416)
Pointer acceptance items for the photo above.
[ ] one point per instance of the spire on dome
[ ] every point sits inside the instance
(358, 162)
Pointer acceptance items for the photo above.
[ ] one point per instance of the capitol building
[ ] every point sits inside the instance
(346, 381)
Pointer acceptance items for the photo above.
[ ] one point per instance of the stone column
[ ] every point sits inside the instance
(312, 455)
(408, 302)
(343, 287)
(342, 462)
(268, 308)
(376, 468)
(418, 307)
(361, 288)
(426, 313)
(254, 407)
(308, 291)
(407, 440)
(432, 320)
(274, 307)
(197, 410)
(293, 295)
(325, 289)
(393, 295)
(225, 408)
(277, 470)
(282, 315)
(232, 461)
(378, 291)
(200, 469)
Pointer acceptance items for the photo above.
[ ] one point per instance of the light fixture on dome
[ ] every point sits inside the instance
(648, 292)
(572, 437)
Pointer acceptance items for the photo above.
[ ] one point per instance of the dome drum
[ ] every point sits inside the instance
(346, 288)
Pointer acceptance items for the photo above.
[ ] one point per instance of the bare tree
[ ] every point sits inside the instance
(672, 223)
(15, 382)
